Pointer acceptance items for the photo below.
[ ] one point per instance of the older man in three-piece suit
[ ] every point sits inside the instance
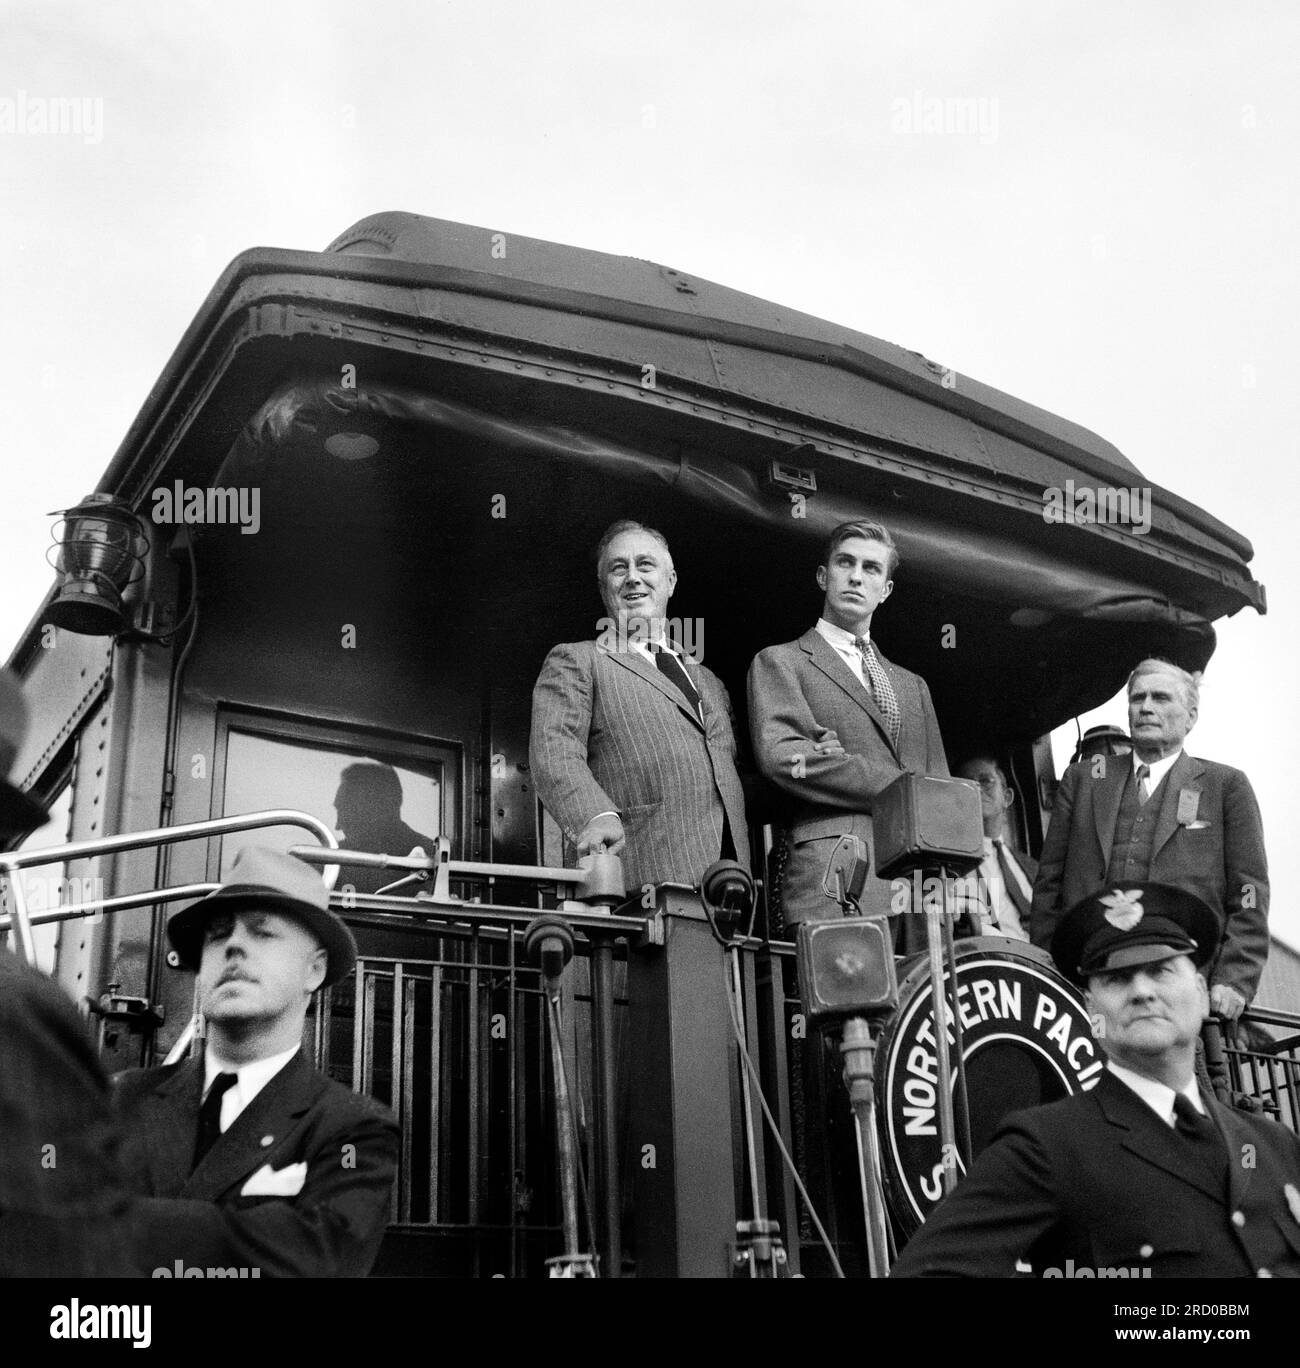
(632, 745)
(1163, 815)
(834, 723)
(245, 1158)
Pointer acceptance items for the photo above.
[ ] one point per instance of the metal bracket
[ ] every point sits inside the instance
(137, 1014)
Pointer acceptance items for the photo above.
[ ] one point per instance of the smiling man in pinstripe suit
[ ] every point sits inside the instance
(632, 748)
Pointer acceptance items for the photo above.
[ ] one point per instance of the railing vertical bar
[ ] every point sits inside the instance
(368, 1028)
(514, 1032)
(400, 1103)
(358, 1026)
(472, 1011)
(435, 1090)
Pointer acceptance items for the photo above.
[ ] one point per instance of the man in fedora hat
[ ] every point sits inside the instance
(246, 1157)
(61, 1196)
(1146, 1175)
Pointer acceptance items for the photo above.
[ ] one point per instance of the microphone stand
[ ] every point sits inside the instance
(858, 1050)
(549, 941)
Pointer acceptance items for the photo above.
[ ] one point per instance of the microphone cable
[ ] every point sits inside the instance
(775, 1130)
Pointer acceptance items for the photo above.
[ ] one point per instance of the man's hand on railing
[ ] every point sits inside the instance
(1227, 1002)
(603, 832)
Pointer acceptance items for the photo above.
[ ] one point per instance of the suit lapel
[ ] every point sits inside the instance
(829, 661)
(251, 1140)
(1182, 774)
(641, 667)
(1106, 795)
(169, 1122)
(1149, 1138)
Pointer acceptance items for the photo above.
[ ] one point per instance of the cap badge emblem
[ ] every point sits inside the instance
(1123, 910)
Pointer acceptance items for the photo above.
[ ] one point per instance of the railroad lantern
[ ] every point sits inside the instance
(99, 548)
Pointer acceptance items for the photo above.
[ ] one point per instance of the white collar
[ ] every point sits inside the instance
(250, 1079)
(837, 636)
(650, 647)
(1158, 768)
(1158, 1096)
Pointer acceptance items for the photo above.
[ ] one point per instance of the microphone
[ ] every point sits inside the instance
(727, 892)
(846, 872)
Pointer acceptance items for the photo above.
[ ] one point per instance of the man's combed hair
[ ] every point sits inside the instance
(983, 757)
(616, 529)
(871, 531)
(1154, 665)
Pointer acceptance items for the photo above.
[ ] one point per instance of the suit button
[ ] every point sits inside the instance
(1238, 1219)
(268, 1141)
(1146, 1251)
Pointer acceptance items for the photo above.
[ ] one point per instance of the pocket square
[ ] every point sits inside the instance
(1195, 826)
(269, 1182)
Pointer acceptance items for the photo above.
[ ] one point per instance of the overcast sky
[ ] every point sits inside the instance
(1113, 237)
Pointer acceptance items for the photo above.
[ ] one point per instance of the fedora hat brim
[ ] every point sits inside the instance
(185, 929)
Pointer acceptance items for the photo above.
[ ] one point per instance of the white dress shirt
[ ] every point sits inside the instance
(1005, 920)
(1158, 768)
(844, 644)
(250, 1079)
(1158, 1096)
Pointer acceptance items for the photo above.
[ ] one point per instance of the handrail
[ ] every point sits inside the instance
(598, 878)
(13, 861)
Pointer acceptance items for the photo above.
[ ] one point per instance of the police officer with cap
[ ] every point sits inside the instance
(245, 1156)
(1144, 1175)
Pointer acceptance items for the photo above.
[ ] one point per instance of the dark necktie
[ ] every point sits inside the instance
(1190, 1122)
(672, 668)
(1144, 777)
(881, 689)
(1202, 1134)
(210, 1116)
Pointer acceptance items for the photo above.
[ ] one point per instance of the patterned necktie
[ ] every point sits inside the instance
(881, 689)
(210, 1116)
(672, 668)
(1144, 792)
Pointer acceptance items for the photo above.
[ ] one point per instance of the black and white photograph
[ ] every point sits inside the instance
(650, 642)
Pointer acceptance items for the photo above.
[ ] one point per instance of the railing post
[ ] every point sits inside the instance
(683, 1173)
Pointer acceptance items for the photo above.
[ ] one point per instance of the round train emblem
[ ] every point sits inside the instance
(1026, 1040)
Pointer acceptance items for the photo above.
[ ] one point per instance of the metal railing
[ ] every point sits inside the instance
(1263, 1069)
(13, 862)
(443, 1020)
